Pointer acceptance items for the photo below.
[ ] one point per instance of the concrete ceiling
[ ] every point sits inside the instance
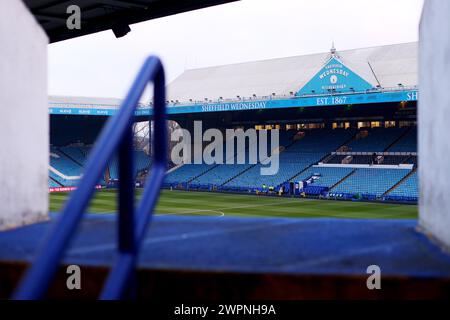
(101, 15)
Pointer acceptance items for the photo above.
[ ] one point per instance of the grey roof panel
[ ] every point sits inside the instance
(392, 64)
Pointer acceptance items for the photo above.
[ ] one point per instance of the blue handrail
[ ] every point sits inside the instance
(117, 135)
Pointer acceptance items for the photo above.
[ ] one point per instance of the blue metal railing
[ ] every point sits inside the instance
(117, 135)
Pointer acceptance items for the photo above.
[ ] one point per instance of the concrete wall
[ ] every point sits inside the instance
(434, 120)
(24, 130)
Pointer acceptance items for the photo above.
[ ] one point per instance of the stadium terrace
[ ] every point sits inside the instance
(357, 140)
(230, 149)
(171, 199)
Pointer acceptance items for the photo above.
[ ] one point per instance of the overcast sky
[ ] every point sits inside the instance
(100, 65)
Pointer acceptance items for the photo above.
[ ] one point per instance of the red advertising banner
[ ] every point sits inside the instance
(68, 189)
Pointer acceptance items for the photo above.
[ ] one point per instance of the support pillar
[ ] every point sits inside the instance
(24, 129)
(434, 120)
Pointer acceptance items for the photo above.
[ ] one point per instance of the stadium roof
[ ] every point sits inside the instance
(383, 66)
(101, 15)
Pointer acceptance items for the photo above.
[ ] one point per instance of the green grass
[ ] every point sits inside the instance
(219, 204)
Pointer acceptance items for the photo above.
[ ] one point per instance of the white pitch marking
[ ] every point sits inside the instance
(221, 214)
(227, 208)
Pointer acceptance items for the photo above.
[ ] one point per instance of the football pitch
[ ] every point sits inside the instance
(222, 204)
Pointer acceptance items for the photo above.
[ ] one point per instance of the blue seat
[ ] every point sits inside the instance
(371, 181)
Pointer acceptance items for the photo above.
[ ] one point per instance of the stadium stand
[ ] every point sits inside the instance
(395, 159)
(411, 160)
(327, 177)
(305, 148)
(408, 143)
(65, 170)
(368, 159)
(186, 173)
(141, 159)
(335, 159)
(312, 146)
(300, 152)
(77, 154)
(406, 191)
(67, 165)
(53, 184)
(290, 164)
(370, 182)
(312, 140)
(203, 175)
(221, 174)
(375, 139)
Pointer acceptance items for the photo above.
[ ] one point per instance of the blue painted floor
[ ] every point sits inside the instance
(282, 245)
